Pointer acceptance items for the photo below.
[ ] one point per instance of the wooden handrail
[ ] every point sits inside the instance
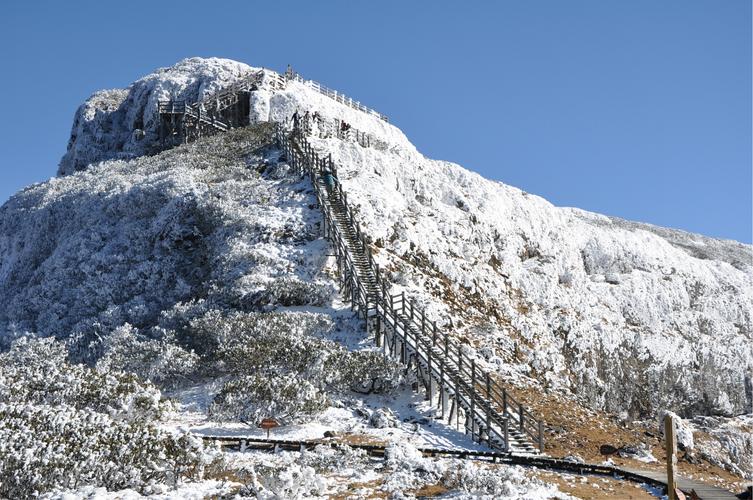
(409, 322)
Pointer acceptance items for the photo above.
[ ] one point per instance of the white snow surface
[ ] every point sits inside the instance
(634, 318)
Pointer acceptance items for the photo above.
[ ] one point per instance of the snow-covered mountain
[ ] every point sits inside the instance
(627, 317)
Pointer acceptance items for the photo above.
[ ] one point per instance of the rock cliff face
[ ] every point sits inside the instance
(122, 123)
(632, 317)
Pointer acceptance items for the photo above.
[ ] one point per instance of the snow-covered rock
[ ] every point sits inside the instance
(683, 430)
(123, 123)
(383, 418)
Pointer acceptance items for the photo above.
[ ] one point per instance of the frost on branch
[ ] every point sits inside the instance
(254, 397)
(66, 426)
(161, 361)
(274, 358)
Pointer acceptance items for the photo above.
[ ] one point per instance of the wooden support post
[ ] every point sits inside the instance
(473, 397)
(431, 376)
(378, 331)
(488, 410)
(541, 436)
(671, 447)
(507, 434)
(442, 390)
(522, 417)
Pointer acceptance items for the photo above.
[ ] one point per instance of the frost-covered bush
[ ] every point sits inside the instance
(290, 291)
(36, 372)
(328, 459)
(370, 372)
(160, 361)
(65, 426)
(264, 352)
(289, 480)
(219, 333)
(44, 447)
(254, 397)
(281, 340)
(290, 342)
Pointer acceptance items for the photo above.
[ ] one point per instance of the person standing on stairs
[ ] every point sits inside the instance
(329, 180)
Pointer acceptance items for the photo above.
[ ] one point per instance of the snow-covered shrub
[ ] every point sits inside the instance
(220, 334)
(45, 447)
(290, 291)
(36, 372)
(383, 418)
(251, 398)
(291, 480)
(409, 469)
(64, 426)
(160, 361)
(370, 372)
(497, 482)
(325, 458)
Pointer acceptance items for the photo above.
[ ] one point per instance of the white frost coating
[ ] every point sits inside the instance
(634, 317)
(110, 123)
(683, 430)
(674, 331)
(280, 105)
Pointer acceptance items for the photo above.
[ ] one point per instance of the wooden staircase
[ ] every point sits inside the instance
(463, 393)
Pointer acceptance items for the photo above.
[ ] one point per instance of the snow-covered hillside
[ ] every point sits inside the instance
(633, 317)
(185, 250)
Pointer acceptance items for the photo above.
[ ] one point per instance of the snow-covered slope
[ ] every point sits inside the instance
(632, 318)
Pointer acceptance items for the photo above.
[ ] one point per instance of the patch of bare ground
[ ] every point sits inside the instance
(429, 491)
(360, 489)
(574, 429)
(358, 439)
(593, 487)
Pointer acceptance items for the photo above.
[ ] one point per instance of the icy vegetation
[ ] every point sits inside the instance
(123, 123)
(202, 268)
(65, 425)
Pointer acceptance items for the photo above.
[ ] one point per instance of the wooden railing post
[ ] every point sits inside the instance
(541, 436)
(521, 416)
(473, 398)
(488, 410)
(507, 434)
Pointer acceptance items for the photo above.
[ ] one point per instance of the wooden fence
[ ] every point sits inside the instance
(447, 371)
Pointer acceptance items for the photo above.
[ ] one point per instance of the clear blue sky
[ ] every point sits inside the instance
(639, 109)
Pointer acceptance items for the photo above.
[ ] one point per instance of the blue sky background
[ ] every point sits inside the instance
(639, 109)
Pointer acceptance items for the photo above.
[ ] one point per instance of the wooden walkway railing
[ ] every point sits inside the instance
(183, 121)
(447, 371)
(291, 75)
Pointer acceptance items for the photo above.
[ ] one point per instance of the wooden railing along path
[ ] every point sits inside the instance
(450, 375)
(183, 121)
(462, 392)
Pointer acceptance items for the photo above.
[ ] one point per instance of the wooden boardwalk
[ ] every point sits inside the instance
(703, 490)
